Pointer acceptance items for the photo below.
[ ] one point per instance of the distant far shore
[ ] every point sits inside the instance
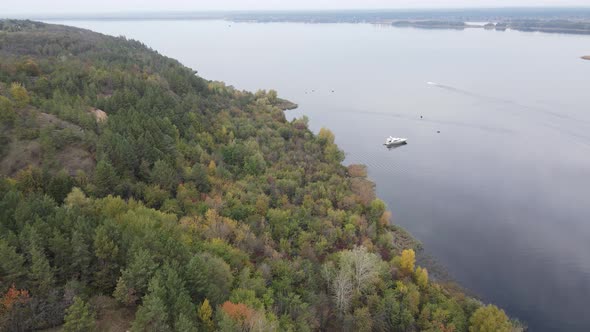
(586, 57)
(551, 20)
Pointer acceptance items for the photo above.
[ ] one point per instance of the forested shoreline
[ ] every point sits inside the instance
(136, 195)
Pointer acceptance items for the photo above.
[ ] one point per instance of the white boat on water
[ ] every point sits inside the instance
(393, 141)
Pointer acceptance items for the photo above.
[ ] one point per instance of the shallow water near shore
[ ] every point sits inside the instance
(495, 179)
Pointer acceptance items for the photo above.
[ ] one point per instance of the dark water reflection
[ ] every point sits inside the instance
(495, 180)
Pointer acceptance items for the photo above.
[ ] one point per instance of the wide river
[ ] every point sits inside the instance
(495, 180)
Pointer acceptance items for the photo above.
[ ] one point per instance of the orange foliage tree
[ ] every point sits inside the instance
(239, 312)
(14, 296)
(14, 314)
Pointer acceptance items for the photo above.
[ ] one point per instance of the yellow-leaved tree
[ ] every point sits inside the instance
(204, 313)
(407, 261)
(326, 136)
(19, 95)
(421, 277)
(212, 168)
(489, 319)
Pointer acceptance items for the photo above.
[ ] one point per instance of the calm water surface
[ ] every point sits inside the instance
(501, 196)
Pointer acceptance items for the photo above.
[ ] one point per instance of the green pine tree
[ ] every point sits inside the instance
(164, 175)
(184, 324)
(177, 298)
(152, 315)
(139, 272)
(41, 274)
(79, 317)
(105, 178)
(107, 251)
(124, 294)
(11, 265)
(60, 186)
(81, 256)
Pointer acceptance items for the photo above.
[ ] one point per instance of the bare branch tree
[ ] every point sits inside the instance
(342, 287)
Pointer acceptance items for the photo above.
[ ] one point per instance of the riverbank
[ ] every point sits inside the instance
(286, 105)
(431, 188)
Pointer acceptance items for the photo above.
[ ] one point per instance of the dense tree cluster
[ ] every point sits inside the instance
(200, 207)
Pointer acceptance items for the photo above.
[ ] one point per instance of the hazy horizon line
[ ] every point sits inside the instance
(310, 10)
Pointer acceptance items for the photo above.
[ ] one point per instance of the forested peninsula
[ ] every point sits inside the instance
(136, 195)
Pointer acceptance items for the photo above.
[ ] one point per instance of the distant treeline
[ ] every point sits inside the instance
(562, 20)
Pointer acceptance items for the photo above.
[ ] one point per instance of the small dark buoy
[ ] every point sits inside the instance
(332, 91)
(420, 116)
(438, 131)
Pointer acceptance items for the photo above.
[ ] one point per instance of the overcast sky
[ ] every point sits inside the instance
(8, 7)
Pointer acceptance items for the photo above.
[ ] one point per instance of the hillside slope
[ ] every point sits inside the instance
(135, 190)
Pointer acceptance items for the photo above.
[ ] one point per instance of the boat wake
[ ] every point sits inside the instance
(563, 120)
(497, 100)
(464, 92)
